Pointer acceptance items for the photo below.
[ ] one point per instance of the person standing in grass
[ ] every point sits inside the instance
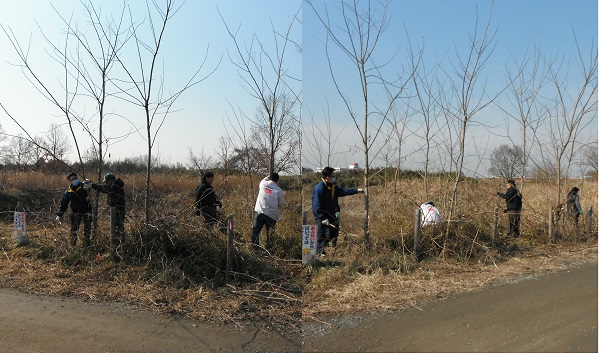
(573, 204)
(270, 200)
(513, 203)
(114, 188)
(81, 207)
(325, 205)
(206, 202)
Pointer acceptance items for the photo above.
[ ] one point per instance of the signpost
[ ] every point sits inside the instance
(20, 233)
(309, 239)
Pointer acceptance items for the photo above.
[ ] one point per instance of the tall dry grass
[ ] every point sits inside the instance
(385, 277)
(393, 208)
(167, 261)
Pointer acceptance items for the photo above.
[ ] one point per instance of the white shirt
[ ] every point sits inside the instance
(429, 215)
(270, 199)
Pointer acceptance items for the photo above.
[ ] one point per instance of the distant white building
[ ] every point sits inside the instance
(319, 169)
(354, 166)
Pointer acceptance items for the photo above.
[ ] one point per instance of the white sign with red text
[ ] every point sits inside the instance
(309, 239)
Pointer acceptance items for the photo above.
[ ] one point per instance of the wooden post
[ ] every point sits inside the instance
(304, 217)
(230, 235)
(417, 247)
(113, 235)
(551, 230)
(496, 227)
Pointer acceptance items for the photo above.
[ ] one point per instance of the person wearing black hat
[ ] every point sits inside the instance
(78, 198)
(113, 187)
(325, 206)
(206, 202)
(513, 204)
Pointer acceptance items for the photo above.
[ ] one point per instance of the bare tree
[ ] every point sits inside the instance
(525, 85)
(283, 142)
(506, 161)
(20, 152)
(467, 97)
(570, 112)
(57, 142)
(591, 156)
(267, 78)
(357, 37)
(321, 141)
(225, 153)
(427, 107)
(200, 162)
(147, 90)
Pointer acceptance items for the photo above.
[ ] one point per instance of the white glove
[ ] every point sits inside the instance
(57, 219)
(326, 222)
(87, 185)
(360, 190)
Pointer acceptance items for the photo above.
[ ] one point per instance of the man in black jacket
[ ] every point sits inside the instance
(513, 203)
(77, 196)
(113, 188)
(206, 202)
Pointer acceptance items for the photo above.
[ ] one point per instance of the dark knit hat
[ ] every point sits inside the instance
(71, 175)
(327, 171)
(511, 181)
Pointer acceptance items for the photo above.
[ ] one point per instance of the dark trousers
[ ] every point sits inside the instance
(514, 220)
(119, 227)
(211, 217)
(261, 220)
(76, 219)
(326, 234)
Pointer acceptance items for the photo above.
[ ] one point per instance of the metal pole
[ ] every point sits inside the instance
(496, 227)
(230, 235)
(550, 226)
(113, 235)
(590, 221)
(417, 247)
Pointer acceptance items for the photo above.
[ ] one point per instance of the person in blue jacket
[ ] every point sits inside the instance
(325, 206)
(77, 197)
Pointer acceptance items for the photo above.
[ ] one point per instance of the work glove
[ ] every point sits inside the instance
(57, 219)
(360, 190)
(326, 222)
(87, 185)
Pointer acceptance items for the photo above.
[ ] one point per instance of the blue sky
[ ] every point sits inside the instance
(443, 27)
(201, 113)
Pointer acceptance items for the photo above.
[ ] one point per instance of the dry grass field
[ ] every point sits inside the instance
(351, 279)
(174, 266)
(184, 271)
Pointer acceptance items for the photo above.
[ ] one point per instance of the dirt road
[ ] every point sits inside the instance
(31, 323)
(554, 312)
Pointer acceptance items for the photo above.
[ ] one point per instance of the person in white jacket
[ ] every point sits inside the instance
(271, 198)
(429, 214)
